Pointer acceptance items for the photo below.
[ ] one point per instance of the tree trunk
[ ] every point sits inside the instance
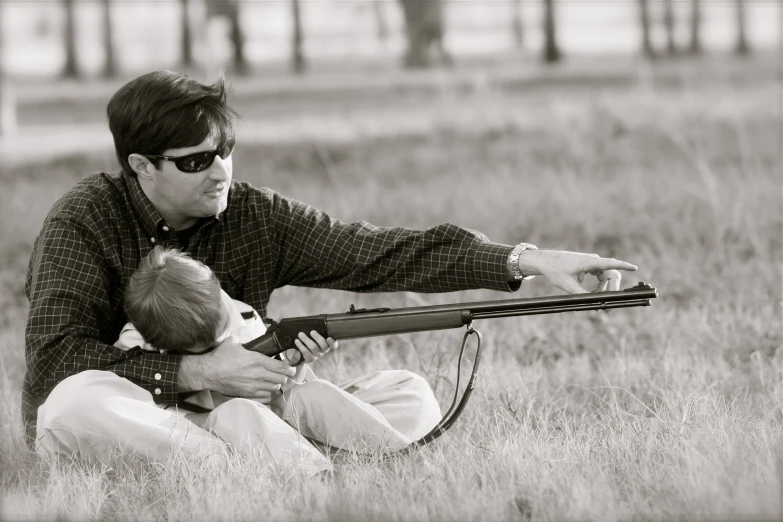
(297, 38)
(551, 52)
(424, 29)
(380, 21)
(742, 47)
(668, 22)
(417, 53)
(237, 39)
(644, 20)
(186, 36)
(110, 63)
(695, 47)
(8, 121)
(71, 69)
(517, 30)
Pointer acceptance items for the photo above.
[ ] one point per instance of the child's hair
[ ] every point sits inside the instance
(174, 301)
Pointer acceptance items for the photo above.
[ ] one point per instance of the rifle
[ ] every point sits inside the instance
(364, 322)
(278, 341)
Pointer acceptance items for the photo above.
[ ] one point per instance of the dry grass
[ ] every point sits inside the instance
(671, 412)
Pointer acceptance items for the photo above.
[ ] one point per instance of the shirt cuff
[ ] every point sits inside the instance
(490, 262)
(159, 377)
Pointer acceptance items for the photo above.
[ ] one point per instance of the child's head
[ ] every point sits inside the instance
(174, 302)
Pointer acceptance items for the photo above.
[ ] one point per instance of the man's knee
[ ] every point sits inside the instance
(79, 417)
(416, 410)
(240, 408)
(248, 424)
(85, 396)
(245, 422)
(317, 389)
(241, 416)
(417, 391)
(311, 400)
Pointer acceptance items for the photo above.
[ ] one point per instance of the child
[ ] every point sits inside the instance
(175, 305)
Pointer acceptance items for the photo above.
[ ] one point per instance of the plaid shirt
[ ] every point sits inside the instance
(95, 236)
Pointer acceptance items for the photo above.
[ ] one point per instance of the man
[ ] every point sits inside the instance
(174, 137)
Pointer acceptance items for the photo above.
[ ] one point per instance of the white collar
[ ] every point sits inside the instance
(235, 321)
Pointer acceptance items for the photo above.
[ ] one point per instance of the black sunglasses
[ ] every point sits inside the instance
(198, 161)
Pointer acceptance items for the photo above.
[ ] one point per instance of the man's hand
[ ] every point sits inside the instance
(313, 348)
(567, 270)
(234, 371)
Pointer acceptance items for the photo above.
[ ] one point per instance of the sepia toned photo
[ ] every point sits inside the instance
(391, 260)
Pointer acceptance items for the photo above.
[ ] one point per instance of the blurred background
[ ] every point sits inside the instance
(107, 38)
(61, 60)
(646, 130)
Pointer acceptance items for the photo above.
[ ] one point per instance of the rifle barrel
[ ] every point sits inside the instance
(388, 321)
(564, 308)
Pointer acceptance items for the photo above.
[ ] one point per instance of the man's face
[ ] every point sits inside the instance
(185, 197)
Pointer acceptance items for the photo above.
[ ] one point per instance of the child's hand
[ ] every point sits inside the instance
(314, 346)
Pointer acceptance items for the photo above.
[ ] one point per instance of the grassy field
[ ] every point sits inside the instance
(668, 412)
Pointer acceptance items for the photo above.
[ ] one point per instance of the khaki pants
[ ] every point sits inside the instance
(96, 415)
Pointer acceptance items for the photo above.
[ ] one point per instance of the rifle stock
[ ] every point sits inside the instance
(387, 321)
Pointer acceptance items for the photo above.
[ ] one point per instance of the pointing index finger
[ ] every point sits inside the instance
(614, 264)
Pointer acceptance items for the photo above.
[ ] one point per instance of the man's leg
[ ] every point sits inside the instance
(95, 415)
(245, 423)
(384, 410)
(405, 400)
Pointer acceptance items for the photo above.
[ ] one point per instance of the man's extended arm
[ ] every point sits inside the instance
(315, 250)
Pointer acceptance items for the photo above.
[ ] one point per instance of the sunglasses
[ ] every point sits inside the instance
(198, 161)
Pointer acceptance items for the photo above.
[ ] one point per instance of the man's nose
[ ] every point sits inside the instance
(220, 169)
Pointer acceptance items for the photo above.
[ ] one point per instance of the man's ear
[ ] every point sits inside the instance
(142, 166)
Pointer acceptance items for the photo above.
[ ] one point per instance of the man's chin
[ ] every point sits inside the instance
(215, 206)
(219, 209)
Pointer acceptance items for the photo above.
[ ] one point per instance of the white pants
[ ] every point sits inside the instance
(96, 415)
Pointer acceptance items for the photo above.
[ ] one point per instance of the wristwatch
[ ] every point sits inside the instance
(513, 261)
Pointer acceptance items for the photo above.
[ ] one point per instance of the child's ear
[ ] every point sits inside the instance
(142, 166)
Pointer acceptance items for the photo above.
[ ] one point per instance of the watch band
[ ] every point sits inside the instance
(513, 261)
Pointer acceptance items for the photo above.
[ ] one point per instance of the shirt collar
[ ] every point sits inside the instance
(235, 321)
(149, 216)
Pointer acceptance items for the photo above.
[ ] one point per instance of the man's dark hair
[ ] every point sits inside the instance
(165, 110)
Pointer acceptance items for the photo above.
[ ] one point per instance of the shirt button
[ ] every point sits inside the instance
(157, 391)
(165, 229)
(157, 376)
(152, 239)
